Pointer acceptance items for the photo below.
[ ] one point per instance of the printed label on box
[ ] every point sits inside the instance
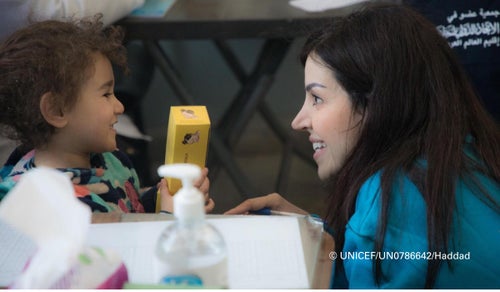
(187, 140)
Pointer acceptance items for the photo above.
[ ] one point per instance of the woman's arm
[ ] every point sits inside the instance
(273, 201)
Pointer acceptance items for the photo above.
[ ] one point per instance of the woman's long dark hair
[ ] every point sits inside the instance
(416, 102)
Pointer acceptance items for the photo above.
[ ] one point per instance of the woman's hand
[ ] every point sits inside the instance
(273, 201)
(203, 184)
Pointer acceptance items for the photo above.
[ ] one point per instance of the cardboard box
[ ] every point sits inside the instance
(187, 140)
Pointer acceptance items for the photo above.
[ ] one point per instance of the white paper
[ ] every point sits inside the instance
(322, 5)
(263, 251)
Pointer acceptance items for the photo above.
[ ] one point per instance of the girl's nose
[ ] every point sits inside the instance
(119, 108)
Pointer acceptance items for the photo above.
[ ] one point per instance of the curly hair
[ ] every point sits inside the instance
(50, 56)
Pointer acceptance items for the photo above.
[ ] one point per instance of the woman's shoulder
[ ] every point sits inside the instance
(367, 208)
(404, 198)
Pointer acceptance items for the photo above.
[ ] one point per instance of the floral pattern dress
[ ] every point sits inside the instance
(110, 185)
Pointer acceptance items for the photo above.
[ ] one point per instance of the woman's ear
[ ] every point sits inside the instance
(51, 111)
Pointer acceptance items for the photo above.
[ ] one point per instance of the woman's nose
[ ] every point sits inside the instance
(300, 123)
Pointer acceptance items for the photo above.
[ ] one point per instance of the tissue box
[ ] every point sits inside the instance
(187, 140)
(94, 268)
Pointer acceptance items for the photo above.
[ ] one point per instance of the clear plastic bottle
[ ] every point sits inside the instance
(190, 252)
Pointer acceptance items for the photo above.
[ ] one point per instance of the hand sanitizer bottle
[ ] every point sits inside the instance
(190, 252)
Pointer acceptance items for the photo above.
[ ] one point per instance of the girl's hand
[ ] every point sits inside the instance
(203, 184)
(167, 201)
(273, 201)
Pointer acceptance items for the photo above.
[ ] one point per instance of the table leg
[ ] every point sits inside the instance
(249, 100)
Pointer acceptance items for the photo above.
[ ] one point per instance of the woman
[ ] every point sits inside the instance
(410, 156)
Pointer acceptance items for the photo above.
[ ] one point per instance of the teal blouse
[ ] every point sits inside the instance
(475, 249)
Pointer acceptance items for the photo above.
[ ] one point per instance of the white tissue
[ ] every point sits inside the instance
(43, 206)
(127, 128)
(322, 5)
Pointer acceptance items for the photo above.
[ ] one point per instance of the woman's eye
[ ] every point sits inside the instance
(317, 99)
(109, 94)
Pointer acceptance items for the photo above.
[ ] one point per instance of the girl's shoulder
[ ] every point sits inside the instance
(18, 163)
(121, 166)
(118, 156)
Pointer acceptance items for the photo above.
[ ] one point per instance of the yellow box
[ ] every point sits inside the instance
(187, 140)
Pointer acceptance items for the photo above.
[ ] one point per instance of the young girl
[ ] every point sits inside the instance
(410, 156)
(56, 92)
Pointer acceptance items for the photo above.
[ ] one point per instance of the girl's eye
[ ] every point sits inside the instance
(109, 94)
(317, 100)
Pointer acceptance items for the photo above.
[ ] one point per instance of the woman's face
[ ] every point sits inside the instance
(328, 116)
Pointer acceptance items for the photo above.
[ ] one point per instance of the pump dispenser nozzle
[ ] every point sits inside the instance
(186, 172)
(188, 201)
